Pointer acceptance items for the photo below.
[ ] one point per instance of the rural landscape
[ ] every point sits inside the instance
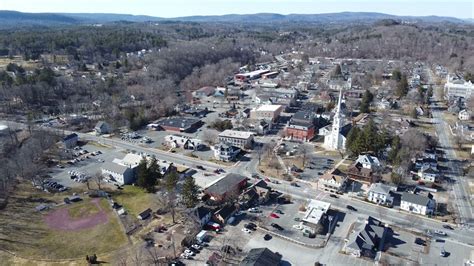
(243, 138)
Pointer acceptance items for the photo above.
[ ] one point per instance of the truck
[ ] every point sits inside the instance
(202, 236)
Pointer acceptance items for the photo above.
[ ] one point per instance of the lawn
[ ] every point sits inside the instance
(23, 231)
(135, 199)
(83, 209)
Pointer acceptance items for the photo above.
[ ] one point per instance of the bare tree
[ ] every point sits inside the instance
(98, 179)
(209, 137)
(305, 150)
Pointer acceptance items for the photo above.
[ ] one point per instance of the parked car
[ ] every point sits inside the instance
(267, 237)
(349, 207)
(277, 226)
(333, 196)
(448, 227)
(245, 230)
(273, 215)
(440, 233)
(279, 211)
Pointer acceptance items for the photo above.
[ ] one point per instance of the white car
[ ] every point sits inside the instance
(184, 256)
(441, 233)
(245, 230)
(189, 252)
(196, 246)
(298, 226)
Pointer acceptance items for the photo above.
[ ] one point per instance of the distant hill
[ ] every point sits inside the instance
(14, 18)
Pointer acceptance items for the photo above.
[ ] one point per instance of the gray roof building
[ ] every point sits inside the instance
(417, 199)
(367, 238)
(261, 257)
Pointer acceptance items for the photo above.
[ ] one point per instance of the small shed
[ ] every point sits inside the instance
(145, 214)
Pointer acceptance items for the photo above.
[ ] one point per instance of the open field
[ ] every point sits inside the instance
(4, 61)
(135, 200)
(24, 232)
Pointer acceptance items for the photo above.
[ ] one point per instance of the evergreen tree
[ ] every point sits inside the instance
(402, 86)
(190, 192)
(366, 100)
(396, 75)
(395, 148)
(142, 173)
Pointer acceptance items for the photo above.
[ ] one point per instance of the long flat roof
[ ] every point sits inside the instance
(228, 133)
(315, 210)
(268, 107)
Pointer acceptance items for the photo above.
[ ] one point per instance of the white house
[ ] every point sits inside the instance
(178, 141)
(119, 173)
(418, 204)
(369, 161)
(102, 128)
(381, 194)
(458, 87)
(225, 152)
(240, 139)
(428, 174)
(465, 115)
(332, 181)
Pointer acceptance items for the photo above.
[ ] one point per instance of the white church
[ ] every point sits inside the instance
(336, 138)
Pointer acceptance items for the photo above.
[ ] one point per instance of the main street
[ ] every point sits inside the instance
(460, 186)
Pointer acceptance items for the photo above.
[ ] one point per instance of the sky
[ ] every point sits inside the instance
(178, 8)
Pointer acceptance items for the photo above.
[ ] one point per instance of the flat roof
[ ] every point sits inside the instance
(268, 107)
(228, 133)
(315, 210)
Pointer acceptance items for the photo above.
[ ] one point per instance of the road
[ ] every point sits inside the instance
(460, 186)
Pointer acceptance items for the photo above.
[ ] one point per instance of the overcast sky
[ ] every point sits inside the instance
(177, 8)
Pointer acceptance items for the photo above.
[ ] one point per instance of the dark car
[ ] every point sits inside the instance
(267, 237)
(277, 226)
(279, 212)
(251, 226)
(333, 196)
(349, 207)
(419, 241)
(448, 227)
(200, 167)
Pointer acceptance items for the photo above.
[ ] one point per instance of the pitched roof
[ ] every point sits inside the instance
(381, 188)
(227, 182)
(415, 198)
(202, 211)
(70, 136)
(226, 211)
(261, 257)
(367, 236)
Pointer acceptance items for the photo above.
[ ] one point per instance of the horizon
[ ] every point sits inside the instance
(181, 8)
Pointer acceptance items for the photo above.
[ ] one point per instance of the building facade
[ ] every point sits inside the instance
(240, 139)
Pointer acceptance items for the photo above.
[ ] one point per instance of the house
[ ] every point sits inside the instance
(257, 193)
(458, 87)
(369, 161)
(226, 187)
(418, 204)
(178, 124)
(314, 215)
(240, 139)
(223, 214)
(269, 112)
(428, 174)
(381, 194)
(261, 257)
(366, 238)
(119, 173)
(204, 92)
(70, 141)
(203, 215)
(465, 115)
(185, 142)
(195, 111)
(225, 152)
(360, 173)
(144, 214)
(260, 127)
(102, 127)
(333, 181)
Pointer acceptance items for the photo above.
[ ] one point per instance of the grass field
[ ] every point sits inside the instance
(82, 209)
(23, 231)
(135, 199)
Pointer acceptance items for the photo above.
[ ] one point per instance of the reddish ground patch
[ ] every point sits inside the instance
(60, 219)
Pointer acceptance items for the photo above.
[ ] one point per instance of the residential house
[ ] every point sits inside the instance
(203, 215)
(465, 115)
(70, 141)
(118, 173)
(240, 139)
(428, 174)
(226, 187)
(225, 152)
(358, 172)
(381, 194)
(258, 192)
(419, 204)
(223, 214)
(195, 111)
(369, 162)
(185, 142)
(333, 181)
(261, 257)
(102, 127)
(366, 238)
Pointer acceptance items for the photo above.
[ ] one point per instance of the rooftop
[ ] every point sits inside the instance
(415, 198)
(227, 182)
(236, 134)
(268, 108)
(261, 257)
(315, 211)
(180, 122)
